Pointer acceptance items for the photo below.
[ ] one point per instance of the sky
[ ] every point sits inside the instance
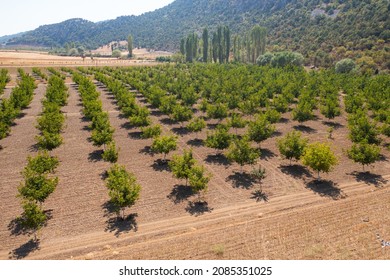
(24, 15)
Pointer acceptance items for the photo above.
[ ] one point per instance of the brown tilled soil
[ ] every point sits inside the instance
(297, 218)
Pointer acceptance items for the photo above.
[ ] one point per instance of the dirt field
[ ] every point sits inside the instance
(32, 59)
(339, 219)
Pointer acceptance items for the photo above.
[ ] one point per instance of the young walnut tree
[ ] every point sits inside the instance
(292, 146)
(164, 145)
(320, 158)
(123, 188)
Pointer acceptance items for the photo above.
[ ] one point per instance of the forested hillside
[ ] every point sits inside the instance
(322, 30)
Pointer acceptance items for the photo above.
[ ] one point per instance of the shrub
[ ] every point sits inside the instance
(164, 145)
(42, 163)
(49, 141)
(123, 188)
(151, 131)
(292, 146)
(111, 154)
(345, 66)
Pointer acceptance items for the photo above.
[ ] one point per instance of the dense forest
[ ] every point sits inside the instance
(324, 31)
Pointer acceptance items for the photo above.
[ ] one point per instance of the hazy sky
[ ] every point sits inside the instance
(24, 15)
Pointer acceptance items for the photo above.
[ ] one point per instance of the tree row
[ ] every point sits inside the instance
(39, 174)
(20, 98)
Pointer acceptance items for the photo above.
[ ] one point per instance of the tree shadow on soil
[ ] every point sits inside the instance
(116, 224)
(218, 159)
(198, 208)
(33, 148)
(295, 170)
(84, 118)
(87, 128)
(370, 179)
(147, 151)
(277, 133)
(122, 116)
(284, 120)
(335, 125)
(137, 135)
(20, 116)
(180, 193)
(16, 228)
(156, 113)
(24, 250)
(167, 121)
(212, 126)
(326, 188)
(127, 125)
(161, 165)
(95, 156)
(104, 175)
(267, 154)
(195, 142)
(182, 131)
(260, 196)
(305, 129)
(382, 158)
(241, 180)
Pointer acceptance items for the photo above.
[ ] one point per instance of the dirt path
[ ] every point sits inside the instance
(178, 231)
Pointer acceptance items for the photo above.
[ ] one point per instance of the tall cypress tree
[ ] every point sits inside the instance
(130, 45)
(189, 49)
(215, 47)
(205, 44)
(227, 43)
(183, 46)
(195, 42)
(258, 37)
(220, 45)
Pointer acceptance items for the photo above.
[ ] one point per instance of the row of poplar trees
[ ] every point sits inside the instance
(220, 47)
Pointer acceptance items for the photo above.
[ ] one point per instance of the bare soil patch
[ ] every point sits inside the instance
(9, 59)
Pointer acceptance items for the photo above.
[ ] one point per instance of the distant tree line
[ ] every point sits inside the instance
(221, 48)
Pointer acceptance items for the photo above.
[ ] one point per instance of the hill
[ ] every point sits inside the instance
(324, 30)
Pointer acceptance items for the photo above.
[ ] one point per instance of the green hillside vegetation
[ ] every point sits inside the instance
(324, 31)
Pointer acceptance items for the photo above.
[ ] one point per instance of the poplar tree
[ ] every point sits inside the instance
(130, 45)
(258, 37)
(205, 45)
(227, 43)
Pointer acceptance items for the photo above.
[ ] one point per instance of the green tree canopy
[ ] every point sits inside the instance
(181, 165)
(220, 139)
(292, 146)
(164, 145)
(364, 153)
(242, 153)
(260, 129)
(346, 65)
(319, 157)
(123, 188)
(33, 217)
(199, 179)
